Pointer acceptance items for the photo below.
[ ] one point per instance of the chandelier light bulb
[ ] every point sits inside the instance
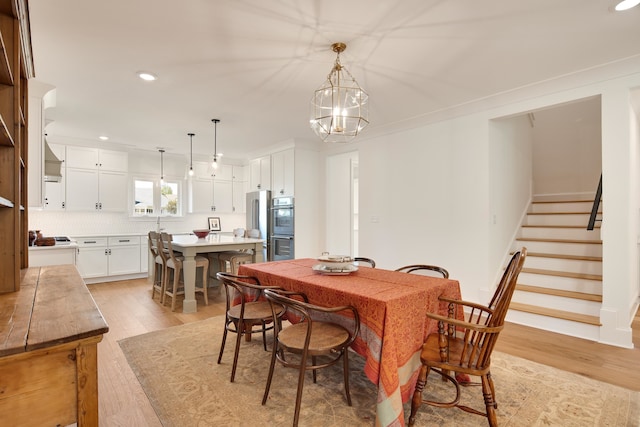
(190, 171)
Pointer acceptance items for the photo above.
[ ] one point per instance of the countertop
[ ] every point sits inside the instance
(72, 245)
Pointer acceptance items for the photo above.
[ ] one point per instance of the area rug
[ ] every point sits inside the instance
(177, 368)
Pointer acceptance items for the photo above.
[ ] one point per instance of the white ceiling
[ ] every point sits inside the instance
(255, 63)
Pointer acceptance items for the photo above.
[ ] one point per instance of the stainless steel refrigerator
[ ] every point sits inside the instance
(258, 217)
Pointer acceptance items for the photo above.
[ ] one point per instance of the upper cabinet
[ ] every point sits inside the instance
(282, 173)
(96, 159)
(260, 174)
(96, 179)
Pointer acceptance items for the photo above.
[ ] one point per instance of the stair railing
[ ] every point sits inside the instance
(596, 204)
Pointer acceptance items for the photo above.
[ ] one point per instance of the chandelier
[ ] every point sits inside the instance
(340, 107)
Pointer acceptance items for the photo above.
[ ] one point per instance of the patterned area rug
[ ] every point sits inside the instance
(178, 371)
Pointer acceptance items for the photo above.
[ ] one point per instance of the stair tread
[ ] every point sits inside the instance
(558, 314)
(535, 239)
(563, 256)
(558, 226)
(562, 274)
(563, 201)
(563, 213)
(559, 292)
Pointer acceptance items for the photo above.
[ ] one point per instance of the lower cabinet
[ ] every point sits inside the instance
(103, 257)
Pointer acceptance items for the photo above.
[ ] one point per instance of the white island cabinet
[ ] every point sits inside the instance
(109, 258)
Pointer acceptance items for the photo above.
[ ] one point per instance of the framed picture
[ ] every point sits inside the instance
(214, 224)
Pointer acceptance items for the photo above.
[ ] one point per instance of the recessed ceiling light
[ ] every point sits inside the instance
(627, 4)
(144, 75)
(103, 137)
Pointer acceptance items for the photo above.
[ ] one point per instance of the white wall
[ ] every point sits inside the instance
(510, 184)
(428, 194)
(572, 132)
(424, 198)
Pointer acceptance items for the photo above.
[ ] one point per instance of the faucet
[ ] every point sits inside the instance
(158, 229)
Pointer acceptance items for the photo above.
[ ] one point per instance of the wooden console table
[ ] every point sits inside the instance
(49, 332)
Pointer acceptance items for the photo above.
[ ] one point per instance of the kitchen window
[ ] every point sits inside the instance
(152, 197)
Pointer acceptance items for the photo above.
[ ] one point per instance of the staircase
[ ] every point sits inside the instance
(560, 286)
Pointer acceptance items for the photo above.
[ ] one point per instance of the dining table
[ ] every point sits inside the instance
(392, 307)
(191, 245)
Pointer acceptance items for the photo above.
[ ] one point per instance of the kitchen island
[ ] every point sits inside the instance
(191, 245)
(49, 332)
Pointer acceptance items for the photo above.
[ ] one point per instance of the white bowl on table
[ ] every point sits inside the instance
(336, 262)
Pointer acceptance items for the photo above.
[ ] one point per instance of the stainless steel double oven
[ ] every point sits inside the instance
(282, 227)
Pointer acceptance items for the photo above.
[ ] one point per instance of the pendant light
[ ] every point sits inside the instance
(339, 107)
(216, 155)
(161, 167)
(191, 153)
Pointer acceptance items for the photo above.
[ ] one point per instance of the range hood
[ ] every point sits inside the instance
(52, 165)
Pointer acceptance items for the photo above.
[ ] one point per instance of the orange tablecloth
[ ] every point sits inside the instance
(393, 324)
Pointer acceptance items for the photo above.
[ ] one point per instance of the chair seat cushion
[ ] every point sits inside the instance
(253, 311)
(324, 337)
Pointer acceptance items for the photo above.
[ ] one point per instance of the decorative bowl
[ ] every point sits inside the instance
(201, 233)
(336, 262)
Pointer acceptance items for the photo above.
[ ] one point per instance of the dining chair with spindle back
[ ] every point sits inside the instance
(465, 346)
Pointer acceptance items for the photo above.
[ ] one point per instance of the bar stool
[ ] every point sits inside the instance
(174, 262)
(155, 246)
(235, 258)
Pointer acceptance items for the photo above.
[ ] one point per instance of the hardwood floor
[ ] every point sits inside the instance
(129, 310)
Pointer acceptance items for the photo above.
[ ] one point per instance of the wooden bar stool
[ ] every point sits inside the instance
(173, 262)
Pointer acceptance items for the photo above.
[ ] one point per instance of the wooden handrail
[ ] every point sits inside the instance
(596, 204)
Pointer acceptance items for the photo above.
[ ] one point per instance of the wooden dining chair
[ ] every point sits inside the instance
(173, 264)
(358, 260)
(308, 339)
(246, 308)
(158, 265)
(425, 270)
(465, 347)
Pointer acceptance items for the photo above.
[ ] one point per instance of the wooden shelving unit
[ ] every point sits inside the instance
(16, 67)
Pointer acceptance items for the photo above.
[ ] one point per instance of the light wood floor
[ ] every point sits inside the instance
(129, 310)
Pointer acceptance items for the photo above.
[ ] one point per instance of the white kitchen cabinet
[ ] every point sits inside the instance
(93, 190)
(201, 195)
(239, 189)
(282, 173)
(212, 194)
(123, 255)
(92, 258)
(260, 174)
(96, 159)
(222, 196)
(55, 192)
(40, 256)
(96, 179)
(224, 172)
(102, 257)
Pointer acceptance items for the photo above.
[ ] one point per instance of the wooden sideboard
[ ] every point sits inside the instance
(49, 332)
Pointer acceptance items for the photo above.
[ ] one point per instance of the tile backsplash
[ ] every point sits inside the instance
(99, 223)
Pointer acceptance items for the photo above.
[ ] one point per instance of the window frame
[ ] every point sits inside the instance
(157, 197)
